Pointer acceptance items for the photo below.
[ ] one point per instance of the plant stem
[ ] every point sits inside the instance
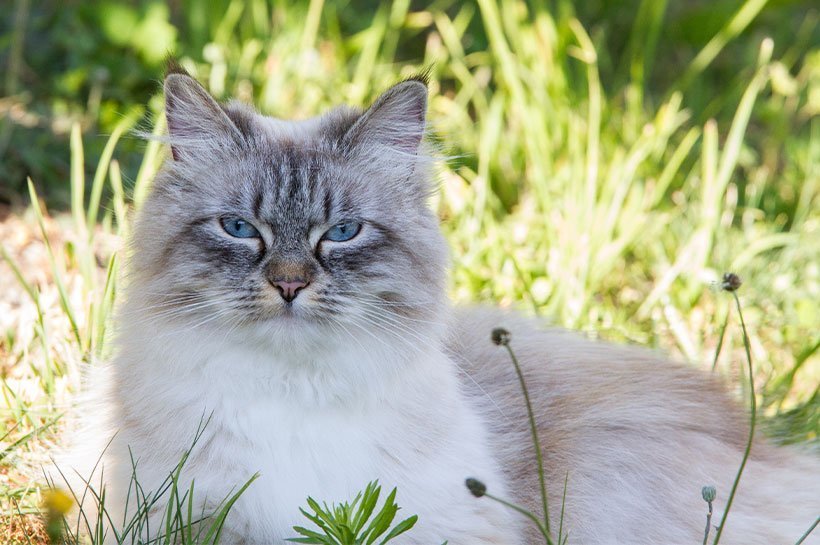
(809, 531)
(533, 518)
(563, 505)
(538, 455)
(752, 422)
(720, 340)
(708, 524)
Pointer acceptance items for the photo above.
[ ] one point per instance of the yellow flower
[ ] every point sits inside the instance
(57, 502)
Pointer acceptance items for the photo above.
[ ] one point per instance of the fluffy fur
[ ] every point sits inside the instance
(367, 373)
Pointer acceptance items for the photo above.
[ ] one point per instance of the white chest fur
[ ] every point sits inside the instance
(317, 427)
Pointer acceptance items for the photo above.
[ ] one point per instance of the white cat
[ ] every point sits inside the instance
(286, 282)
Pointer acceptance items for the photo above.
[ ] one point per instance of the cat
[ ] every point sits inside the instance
(286, 286)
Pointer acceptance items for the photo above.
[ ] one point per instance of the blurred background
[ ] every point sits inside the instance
(97, 62)
(609, 160)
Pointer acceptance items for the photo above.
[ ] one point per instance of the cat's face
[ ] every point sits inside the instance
(291, 226)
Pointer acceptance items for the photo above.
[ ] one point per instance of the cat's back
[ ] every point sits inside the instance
(585, 391)
(577, 376)
(630, 431)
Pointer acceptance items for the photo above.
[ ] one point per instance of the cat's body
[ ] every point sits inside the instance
(324, 436)
(286, 284)
(635, 437)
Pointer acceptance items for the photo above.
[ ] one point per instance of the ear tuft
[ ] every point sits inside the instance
(422, 77)
(172, 66)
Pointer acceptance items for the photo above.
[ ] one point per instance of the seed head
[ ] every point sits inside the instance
(709, 493)
(500, 336)
(731, 282)
(476, 487)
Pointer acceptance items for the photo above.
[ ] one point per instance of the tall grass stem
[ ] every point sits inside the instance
(752, 422)
(539, 456)
(808, 532)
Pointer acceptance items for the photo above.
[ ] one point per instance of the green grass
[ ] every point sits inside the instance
(596, 179)
(180, 523)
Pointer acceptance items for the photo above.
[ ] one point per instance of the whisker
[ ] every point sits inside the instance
(374, 305)
(386, 327)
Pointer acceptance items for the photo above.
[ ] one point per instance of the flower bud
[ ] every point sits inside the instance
(709, 493)
(500, 336)
(731, 282)
(476, 487)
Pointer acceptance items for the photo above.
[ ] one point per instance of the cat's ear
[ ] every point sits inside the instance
(196, 123)
(395, 121)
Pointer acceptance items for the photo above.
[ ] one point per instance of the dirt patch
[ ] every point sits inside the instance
(22, 529)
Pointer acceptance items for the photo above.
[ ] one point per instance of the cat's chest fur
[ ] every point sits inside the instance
(405, 424)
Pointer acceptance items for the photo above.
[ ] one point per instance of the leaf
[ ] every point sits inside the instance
(313, 518)
(382, 521)
(400, 528)
(369, 500)
(215, 531)
(310, 536)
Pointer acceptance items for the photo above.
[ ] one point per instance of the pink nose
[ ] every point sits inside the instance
(289, 289)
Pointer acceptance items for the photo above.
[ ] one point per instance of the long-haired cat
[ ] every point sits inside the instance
(286, 281)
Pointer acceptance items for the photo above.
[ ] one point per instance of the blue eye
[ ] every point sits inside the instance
(343, 231)
(239, 228)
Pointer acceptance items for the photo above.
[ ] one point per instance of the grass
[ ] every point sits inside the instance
(179, 523)
(606, 192)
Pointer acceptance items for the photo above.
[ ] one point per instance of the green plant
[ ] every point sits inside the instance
(180, 524)
(354, 523)
(731, 283)
(808, 532)
(502, 337)
(708, 493)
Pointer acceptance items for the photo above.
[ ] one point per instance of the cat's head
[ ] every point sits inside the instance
(282, 227)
